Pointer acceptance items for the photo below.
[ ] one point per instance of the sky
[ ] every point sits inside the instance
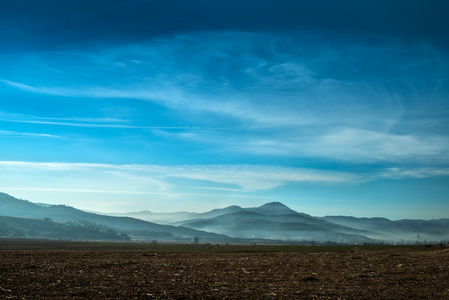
(330, 107)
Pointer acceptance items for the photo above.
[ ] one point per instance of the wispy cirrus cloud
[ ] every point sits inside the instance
(27, 134)
(93, 123)
(261, 78)
(255, 177)
(75, 121)
(293, 95)
(33, 89)
(174, 187)
(368, 145)
(157, 178)
(78, 176)
(340, 144)
(416, 173)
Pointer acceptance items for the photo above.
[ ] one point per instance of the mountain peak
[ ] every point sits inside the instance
(275, 204)
(273, 208)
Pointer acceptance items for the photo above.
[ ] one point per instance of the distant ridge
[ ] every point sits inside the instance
(282, 217)
(251, 224)
(176, 218)
(14, 227)
(139, 229)
(272, 221)
(430, 230)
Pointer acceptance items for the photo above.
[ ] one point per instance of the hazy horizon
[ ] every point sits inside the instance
(331, 108)
(197, 210)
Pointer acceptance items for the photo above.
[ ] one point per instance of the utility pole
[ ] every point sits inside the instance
(418, 238)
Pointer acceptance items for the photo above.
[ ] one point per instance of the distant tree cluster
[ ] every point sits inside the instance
(20, 228)
(150, 234)
(91, 231)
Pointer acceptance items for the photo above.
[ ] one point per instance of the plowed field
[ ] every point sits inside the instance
(119, 272)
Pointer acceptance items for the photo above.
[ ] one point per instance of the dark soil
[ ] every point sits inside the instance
(402, 273)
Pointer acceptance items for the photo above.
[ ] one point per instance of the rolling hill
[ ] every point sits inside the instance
(293, 226)
(277, 220)
(14, 227)
(273, 208)
(400, 230)
(12, 207)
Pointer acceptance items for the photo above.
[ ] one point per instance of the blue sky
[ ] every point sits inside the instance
(331, 107)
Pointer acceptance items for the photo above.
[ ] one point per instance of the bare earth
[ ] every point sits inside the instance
(114, 273)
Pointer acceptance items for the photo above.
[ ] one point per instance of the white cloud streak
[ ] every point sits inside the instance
(157, 178)
(167, 188)
(366, 145)
(340, 144)
(27, 134)
(33, 89)
(92, 123)
(416, 173)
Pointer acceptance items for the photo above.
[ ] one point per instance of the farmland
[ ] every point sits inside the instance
(58, 270)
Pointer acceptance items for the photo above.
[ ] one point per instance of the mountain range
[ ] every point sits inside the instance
(272, 222)
(61, 214)
(275, 220)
